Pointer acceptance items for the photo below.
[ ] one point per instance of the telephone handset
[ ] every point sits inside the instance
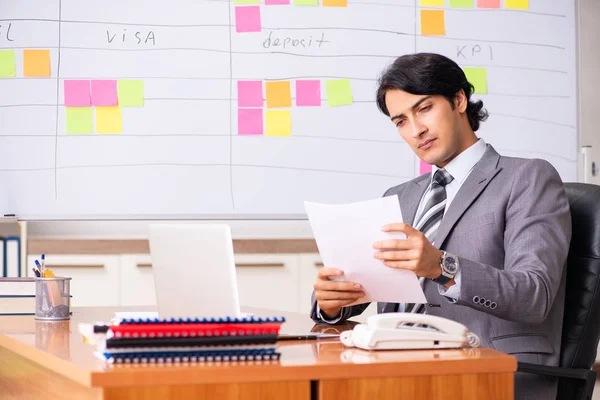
(390, 331)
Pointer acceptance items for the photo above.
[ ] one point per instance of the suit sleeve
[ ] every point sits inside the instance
(536, 243)
(346, 313)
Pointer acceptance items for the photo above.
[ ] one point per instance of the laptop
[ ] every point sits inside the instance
(194, 270)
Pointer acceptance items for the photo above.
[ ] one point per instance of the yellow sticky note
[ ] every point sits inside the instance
(278, 94)
(432, 22)
(279, 123)
(245, 1)
(518, 4)
(7, 64)
(335, 3)
(79, 120)
(109, 120)
(478, 78)
(36, 62)
(339, 92)
(431, 3)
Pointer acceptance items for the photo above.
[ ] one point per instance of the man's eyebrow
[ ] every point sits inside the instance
(417, 104)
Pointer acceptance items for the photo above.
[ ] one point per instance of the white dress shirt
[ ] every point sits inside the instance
(460, 168)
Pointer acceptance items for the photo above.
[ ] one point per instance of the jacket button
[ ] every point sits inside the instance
(488, 303)
(482, 300)
(476, 299)
(493, 305)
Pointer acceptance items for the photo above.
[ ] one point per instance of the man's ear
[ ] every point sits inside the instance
(460, 101)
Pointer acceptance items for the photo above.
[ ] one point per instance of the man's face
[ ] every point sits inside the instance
(429, 124)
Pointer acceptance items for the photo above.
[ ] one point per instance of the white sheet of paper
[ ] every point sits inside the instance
(345, 235)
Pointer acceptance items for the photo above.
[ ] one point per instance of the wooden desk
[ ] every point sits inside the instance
(49, 360)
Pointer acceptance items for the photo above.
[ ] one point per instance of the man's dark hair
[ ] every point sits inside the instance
(429, 74)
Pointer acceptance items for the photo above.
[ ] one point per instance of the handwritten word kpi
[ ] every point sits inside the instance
(273, 40)
(138, 37)
(5, 32)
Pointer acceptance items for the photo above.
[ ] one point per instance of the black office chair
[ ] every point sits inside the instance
(581, 322)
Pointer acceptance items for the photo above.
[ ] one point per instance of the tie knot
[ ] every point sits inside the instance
(442, 177)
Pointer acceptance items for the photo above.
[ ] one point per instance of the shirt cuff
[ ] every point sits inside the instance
(331, 321)
(453, 292)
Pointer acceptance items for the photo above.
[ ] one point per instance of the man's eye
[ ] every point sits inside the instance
(400, 123)
(426, 108)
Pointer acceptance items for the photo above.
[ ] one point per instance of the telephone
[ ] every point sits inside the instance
(389, 331)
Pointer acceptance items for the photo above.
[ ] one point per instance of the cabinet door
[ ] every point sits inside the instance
(137, 280)
(309, 269)
(95, 278)
(268, 281)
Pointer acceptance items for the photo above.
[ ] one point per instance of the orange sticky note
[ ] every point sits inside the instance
(335, 3)
(278, 94)
(432, 23)
(36, 62)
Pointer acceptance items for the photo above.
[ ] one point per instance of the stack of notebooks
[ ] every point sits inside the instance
(150, 341)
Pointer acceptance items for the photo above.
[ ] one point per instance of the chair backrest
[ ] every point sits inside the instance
(581, 323)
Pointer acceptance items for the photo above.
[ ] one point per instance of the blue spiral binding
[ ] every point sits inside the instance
(193, 356)
(228, 320)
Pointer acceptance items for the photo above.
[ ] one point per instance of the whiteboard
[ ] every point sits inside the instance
(185, 154)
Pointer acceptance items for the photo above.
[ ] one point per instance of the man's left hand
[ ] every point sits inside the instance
(415, 253)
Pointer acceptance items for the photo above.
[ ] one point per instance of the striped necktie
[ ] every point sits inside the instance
(431, 216)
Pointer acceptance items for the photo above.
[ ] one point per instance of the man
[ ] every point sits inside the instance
(488, 235)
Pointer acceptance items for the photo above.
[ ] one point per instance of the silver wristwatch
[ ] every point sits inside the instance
(449, 265)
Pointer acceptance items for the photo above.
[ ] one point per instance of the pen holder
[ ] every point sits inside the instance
(52, 298)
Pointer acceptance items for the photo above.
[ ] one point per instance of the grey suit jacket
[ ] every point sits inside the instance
(510, 227)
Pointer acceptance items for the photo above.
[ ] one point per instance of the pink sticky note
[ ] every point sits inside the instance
(276, 2)
(488, 3)
(250, 94)
(424, 168)
(104, 93)
(250, 121)
(77, 93)
(247, 19)
(308, 93)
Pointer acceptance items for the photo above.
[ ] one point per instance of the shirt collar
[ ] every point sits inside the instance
(463, 163)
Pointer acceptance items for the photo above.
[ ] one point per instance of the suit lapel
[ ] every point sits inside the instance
(483, 173)
(411, 197)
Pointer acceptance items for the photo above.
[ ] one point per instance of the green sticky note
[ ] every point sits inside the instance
(306, 2)
(461, 3)
(131, 93)
(79, 120)
(339, 92)
(478, 78)
(245, 1)
(8, 68)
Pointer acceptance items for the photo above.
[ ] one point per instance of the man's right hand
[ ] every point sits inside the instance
(331, 295)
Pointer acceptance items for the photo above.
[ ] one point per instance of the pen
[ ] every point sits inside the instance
(39, 266)
(43, 262)
(36, 272)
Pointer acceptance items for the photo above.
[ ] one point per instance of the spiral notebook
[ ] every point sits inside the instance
(190, 340)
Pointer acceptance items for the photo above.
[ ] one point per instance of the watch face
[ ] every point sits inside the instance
(450, 264)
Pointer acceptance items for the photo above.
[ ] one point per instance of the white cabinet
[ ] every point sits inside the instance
(268, 281)
(274, 281)
(95, 278)
(137, 280)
